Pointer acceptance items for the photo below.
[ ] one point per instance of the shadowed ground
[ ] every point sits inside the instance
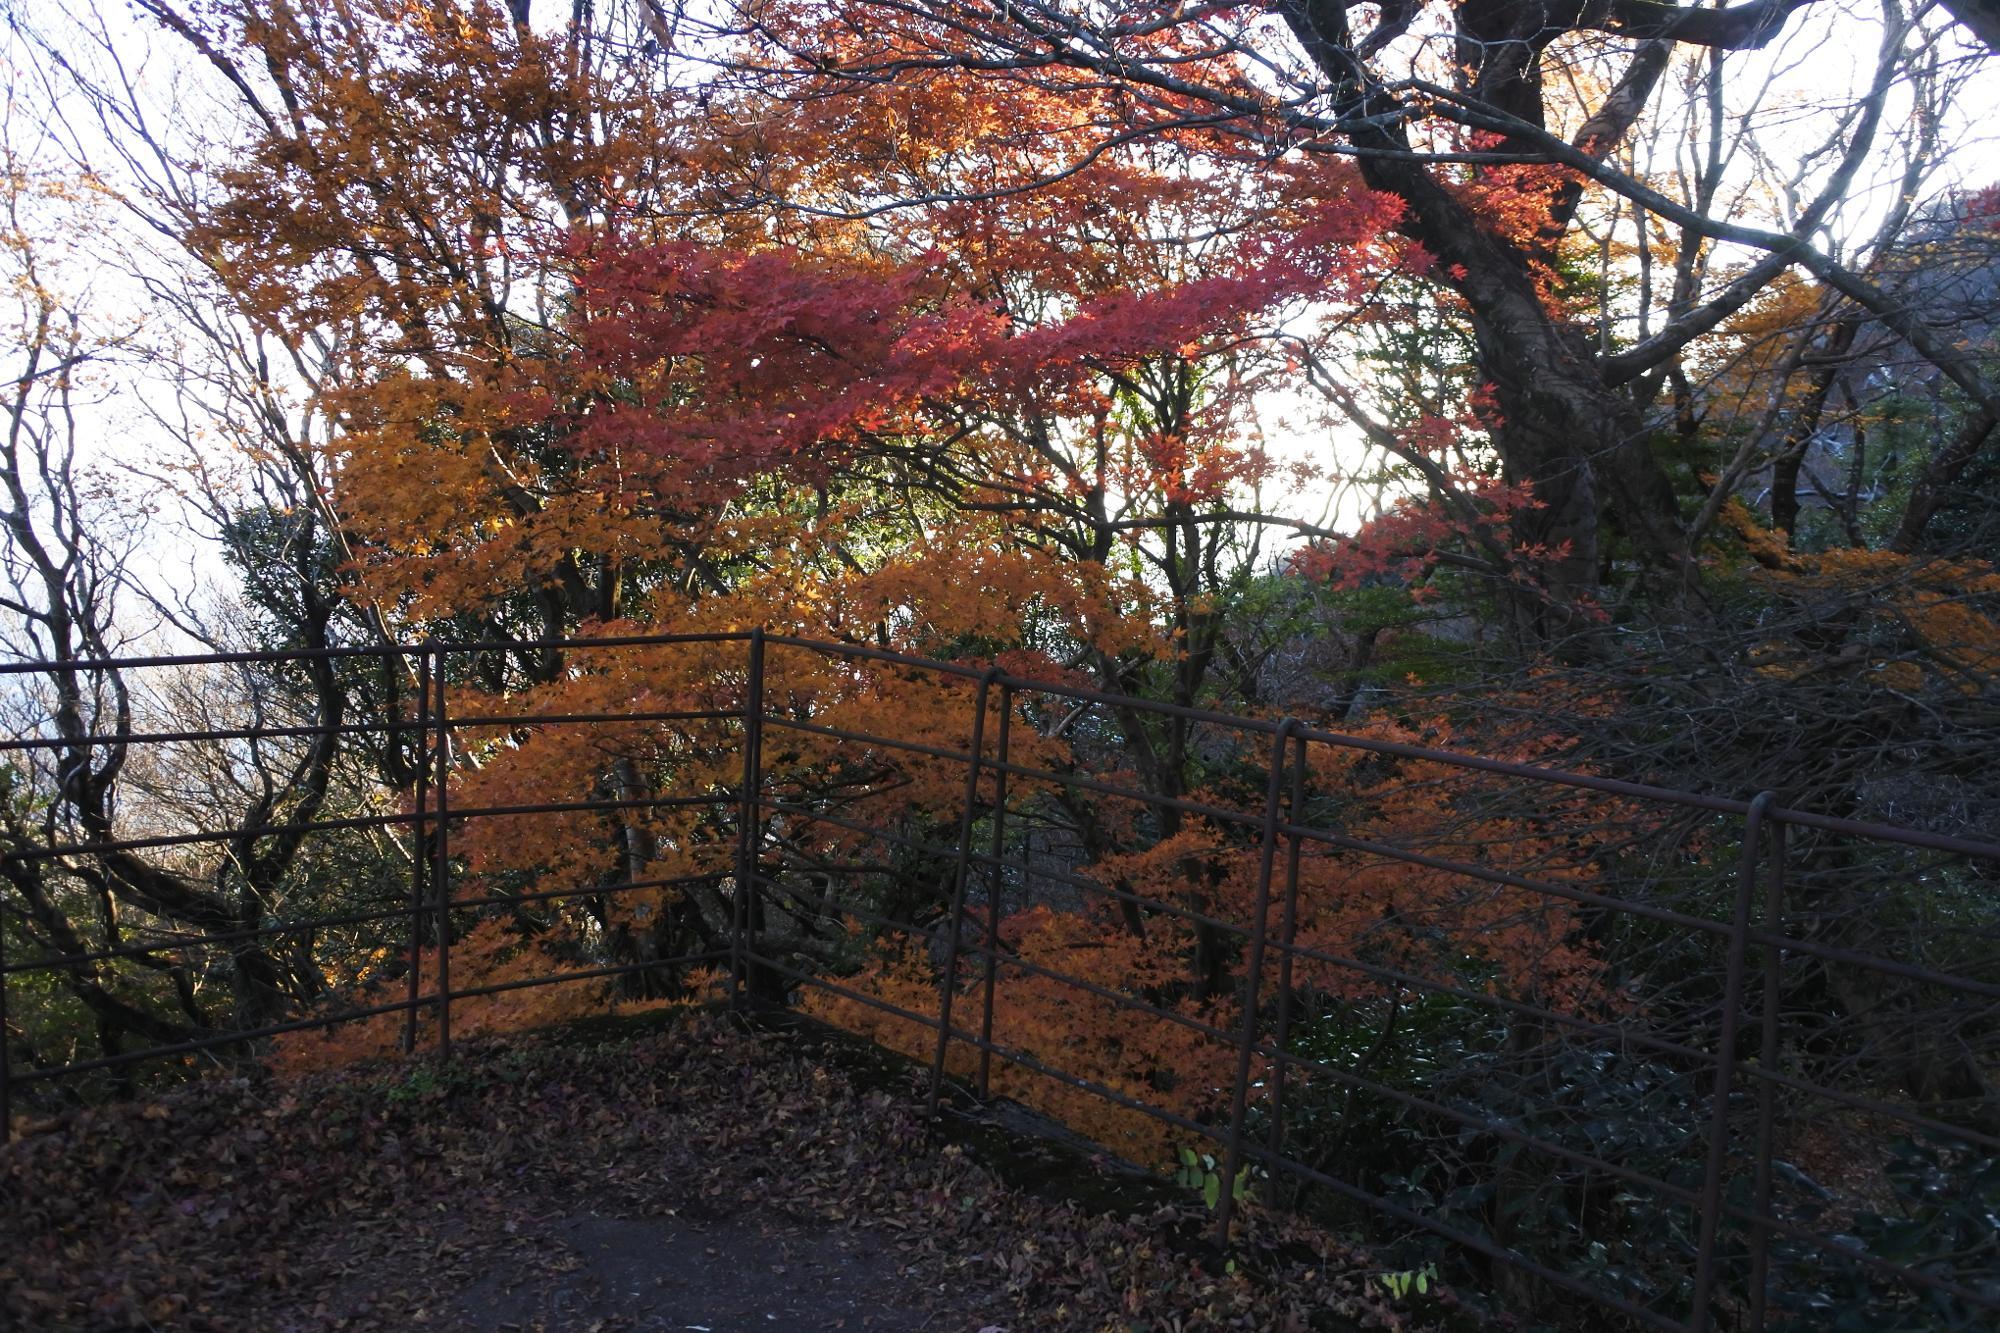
(665, 1274)
(682, 1175)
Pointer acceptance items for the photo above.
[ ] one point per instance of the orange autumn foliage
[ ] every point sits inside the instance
(591, 385)
(1361, 920)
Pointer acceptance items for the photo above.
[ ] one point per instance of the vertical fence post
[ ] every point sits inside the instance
(750, 807)
(6, 1060)
(1767, 1091)
(1725, 1063)
(419, 855)
(1002, 751)
(949, 983)
(1288, 933)
(1253, 975)
(442, 848)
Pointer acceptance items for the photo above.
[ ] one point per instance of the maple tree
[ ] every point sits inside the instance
(963, 331)
(1147, 929)
(666, 355)
(1489, 167)
(629, 460)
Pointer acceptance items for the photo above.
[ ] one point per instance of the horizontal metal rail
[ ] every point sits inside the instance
(1452, 758)
(96, 741)
(1484, 874)
(1486, 1124)
(259, 832)
(1456, 759)
(774, 813)
(295, 927)
(1623, 1036)
(1106, 1093)
(433, 648)
(1374, 971)
(218, 1041)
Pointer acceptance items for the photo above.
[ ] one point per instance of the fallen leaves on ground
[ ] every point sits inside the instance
(371, 1198)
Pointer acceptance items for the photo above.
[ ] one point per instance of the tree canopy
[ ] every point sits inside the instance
(1608, 384)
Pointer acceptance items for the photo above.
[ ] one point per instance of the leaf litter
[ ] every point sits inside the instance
(693, 1176)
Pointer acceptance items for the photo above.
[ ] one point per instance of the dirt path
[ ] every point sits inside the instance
(693, 1179)
(653, 1275)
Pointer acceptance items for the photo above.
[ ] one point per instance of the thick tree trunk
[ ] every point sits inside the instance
(1579, 443)
(1946, 467)
(1560, 428)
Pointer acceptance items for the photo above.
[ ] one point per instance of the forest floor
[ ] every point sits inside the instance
(680, 1175)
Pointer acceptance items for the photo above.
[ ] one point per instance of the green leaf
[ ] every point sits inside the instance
(1211, 1190)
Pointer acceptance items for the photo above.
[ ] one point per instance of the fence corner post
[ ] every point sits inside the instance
(749, 810)
(1001, 755)
(419, 851)
(1253, 975)
(1288, 938)
(442, 842)
(948, 983)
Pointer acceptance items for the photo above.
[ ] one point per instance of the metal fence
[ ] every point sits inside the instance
(1775, 1006)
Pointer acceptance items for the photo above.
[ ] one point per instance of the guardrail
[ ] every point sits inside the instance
(1746, 1045)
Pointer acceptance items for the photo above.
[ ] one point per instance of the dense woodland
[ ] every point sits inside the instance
(1608, 386)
